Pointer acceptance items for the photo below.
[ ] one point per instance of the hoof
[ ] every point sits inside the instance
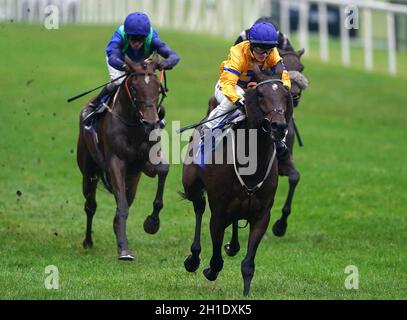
(279, 228)
(210, 275)
(87, 244)
(151, 225)
(126, 255)
(231, 251)
(191, 264)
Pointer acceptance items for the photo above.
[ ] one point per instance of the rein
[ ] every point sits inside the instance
(135, 102)
(251, 191)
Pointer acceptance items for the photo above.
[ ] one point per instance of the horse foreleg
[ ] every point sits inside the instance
(233, 247)
(131, 184)
(216, 263)
(192, 262)
(280, 226)
(257, 230)
(152, 222)
(117, 171)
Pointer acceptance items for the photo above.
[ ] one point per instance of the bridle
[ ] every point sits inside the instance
(277, 110)
(137, 103)
(289, 53)
(251, 191)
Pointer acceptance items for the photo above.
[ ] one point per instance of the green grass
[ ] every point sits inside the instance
(350, 207)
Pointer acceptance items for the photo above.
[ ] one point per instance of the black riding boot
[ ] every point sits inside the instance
(161, 115)
(281, 150)
(92, 108)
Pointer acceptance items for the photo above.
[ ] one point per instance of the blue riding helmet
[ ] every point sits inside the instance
(137, 24)
(263, 35)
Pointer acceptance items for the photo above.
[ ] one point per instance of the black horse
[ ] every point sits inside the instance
(286, 166)
(232, 196)
(118, 151)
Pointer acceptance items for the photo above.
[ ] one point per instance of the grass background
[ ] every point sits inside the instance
(350, 206)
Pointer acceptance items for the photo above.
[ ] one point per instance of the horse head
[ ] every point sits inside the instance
(268, 104)
(292, 61)
(143, 89)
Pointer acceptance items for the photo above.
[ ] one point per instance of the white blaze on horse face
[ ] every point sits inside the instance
(274, 87)
(147, 79)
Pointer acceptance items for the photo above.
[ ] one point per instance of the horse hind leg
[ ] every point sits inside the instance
(280, 226)
(152, 222)
(192, 262)
(233, 247)
(217, 234)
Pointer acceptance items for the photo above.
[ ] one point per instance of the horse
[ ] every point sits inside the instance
(286, 166)
(230, 197)
(117, 151)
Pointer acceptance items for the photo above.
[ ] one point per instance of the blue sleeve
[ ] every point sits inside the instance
(114, 51)
(163, 50)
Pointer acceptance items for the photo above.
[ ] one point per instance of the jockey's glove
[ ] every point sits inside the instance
(163, 64)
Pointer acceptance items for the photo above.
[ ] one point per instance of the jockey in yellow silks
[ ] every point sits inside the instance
(237, 70)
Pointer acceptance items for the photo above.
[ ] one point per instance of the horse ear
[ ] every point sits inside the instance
(155, 60)
(129, 62)
(257, 72)
(301, 52)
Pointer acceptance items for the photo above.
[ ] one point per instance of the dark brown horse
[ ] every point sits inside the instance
(286, 166)
(118, 151)
(233, 196)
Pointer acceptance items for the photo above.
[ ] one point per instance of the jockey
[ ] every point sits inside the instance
(138, 40)
(237, 71)
(283, 42)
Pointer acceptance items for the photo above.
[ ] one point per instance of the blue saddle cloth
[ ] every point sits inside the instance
(204, 147)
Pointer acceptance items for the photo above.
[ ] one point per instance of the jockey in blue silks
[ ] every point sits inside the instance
(138, 40)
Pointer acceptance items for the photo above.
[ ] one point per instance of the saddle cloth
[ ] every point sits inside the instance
(210, 139)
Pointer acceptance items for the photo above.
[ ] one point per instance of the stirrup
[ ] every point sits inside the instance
(102, 108)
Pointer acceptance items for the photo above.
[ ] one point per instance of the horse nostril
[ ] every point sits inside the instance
(276, 126)
(151, 125)
(266, 126)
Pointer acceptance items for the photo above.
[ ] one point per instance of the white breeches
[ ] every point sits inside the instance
(114, 73)
(224, 106)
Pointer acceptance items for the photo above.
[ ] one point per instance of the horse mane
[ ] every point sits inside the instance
(252, 104)
(256, 114)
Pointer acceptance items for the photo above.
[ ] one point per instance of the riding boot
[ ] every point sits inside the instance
(161, 115)
(93, 107)
(281, 150)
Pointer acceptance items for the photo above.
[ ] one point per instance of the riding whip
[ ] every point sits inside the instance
(87, 92)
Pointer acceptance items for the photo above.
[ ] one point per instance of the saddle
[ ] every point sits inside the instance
(211, 139)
